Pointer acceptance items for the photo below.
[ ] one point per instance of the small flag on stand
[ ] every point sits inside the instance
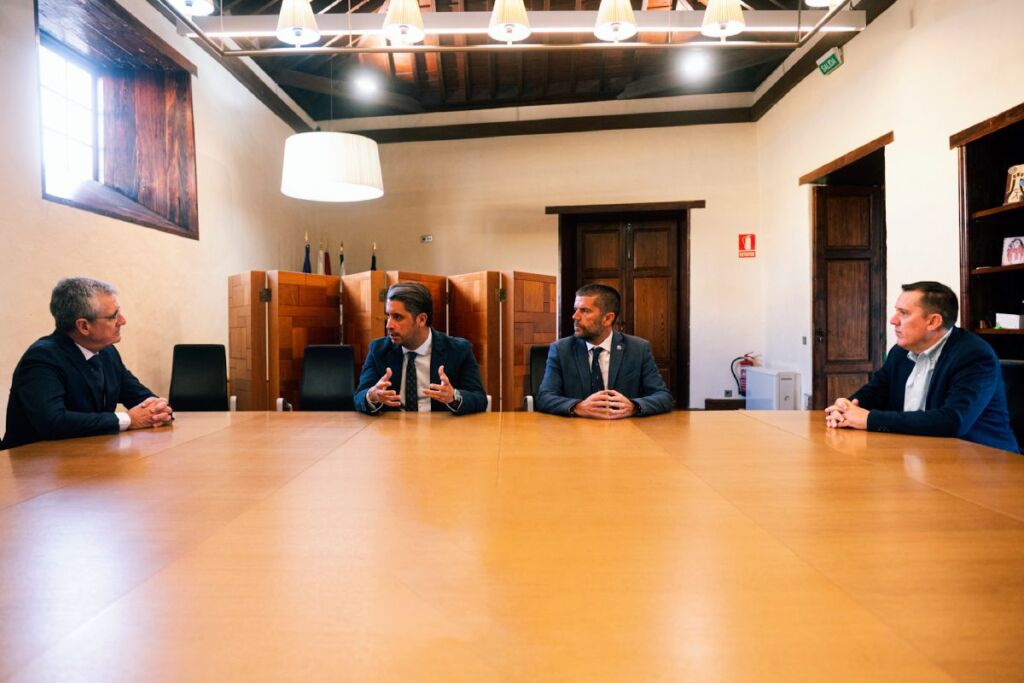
(373, 259)
(320, 258)
(327, 262)
(306, 267)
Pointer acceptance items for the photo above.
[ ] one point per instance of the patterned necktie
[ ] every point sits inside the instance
(411, 399)
(98, 378)
(596, 380)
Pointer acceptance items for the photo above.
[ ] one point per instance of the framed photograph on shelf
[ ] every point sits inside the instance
(1013, 251)
(1014, 184)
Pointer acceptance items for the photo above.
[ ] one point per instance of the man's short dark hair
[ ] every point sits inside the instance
(936, 298)
(75, 297)
(607, 298)
(416, 298)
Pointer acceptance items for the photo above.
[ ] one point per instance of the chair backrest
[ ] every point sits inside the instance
(199, 378)
(1013, 378)
(328, 378)
(538, 361)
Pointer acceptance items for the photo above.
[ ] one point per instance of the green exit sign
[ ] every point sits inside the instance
(830, 61)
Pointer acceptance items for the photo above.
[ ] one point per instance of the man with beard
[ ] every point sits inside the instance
(600, 373)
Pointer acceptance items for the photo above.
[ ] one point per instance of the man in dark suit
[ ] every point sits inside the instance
(939, 380)
(600, 373)
(433, 372)
(69, 383)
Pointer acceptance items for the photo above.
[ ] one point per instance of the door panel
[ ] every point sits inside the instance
(849, 289)
(473, 314)
(531, 308)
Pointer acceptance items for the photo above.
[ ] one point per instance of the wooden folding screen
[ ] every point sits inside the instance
(303, 310)
(268, 334)
(247, 340)
(474, 314)
(529, 317)
(362, 304)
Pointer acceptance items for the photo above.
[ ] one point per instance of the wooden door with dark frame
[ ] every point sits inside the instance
(644, 255)
(849, 289)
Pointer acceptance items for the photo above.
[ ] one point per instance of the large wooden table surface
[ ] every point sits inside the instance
(522, 547)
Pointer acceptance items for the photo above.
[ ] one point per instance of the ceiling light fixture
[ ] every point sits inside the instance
(366, 84)
(403, 24)
(615, 21)
(722, 18)
(331, 167)
(194, 8)
(509, 22)
(296, 24)
(696, 65)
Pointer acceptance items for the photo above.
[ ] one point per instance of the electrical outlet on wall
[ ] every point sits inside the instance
(728, 393)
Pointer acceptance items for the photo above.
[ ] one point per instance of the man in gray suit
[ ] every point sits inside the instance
(599, 373)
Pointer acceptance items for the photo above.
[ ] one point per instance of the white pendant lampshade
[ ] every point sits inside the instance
(722, 18)
(296, 24)
(508, 21)
(194, 8)
(615, 20)
(331, 167)
(403, 24)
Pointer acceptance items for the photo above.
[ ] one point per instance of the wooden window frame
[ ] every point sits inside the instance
(149, 160)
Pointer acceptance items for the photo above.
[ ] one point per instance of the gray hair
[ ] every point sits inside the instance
(74, 298)
(415, 297)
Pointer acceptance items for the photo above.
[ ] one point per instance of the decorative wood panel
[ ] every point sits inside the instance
(849, 222)
(303, 310)
(652, 249)
(474, 314)
(528, 318)
(652, 319)
(438, 287)
(849, 311)
(844, 385)
(363, 305)
(601, 248)
(247, 340)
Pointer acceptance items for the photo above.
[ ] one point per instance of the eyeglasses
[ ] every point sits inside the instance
(112, 317)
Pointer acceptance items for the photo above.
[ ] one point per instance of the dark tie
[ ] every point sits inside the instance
(411, 400)
(596, 381)
(98, 378)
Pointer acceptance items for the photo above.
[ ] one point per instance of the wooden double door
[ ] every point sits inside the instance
(643, 256)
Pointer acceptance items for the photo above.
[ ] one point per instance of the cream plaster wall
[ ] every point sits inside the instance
(925, 69)
(483, 201)
(172, 289)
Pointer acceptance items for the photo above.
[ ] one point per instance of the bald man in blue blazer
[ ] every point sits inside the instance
(599, 373)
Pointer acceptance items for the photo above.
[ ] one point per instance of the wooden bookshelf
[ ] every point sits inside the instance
(986, 151)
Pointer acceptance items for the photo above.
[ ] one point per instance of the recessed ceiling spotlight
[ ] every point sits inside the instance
(696, 65)
(366, 85)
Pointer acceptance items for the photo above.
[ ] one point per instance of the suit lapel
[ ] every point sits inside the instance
(438, 355)
(395, 359)
(948, 352)
(77, 360)
(618, 349)
(582, 366)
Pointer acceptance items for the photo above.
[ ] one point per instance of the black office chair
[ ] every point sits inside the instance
(199, 378)
(538, 361)
(1013, 378)
(328, 378)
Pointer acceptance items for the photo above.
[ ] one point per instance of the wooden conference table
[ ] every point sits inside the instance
(519, 547)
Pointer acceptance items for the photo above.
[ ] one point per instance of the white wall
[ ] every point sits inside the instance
(171, 288)
(925, 69)
(483, 201)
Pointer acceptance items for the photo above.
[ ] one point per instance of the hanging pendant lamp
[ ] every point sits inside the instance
(509, 23)
(331, 167)
(194, 8)
(403, 24)
(296, 24)
(615, 21)
(722, 18)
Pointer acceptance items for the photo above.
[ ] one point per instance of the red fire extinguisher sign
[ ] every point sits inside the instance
(748, 245)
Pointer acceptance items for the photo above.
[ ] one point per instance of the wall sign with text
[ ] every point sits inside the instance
(748, 245)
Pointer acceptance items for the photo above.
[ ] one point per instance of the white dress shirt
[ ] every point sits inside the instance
(124, 421)
(916, 393)
(604, 361)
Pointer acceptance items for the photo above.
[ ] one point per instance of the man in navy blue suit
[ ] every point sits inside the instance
(599, 373)
(432, 371)
(939, 380)
(69, 383)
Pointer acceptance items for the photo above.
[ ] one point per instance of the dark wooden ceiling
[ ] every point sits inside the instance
(324, 85)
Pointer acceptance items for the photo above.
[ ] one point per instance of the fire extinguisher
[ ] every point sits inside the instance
(743, 362)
